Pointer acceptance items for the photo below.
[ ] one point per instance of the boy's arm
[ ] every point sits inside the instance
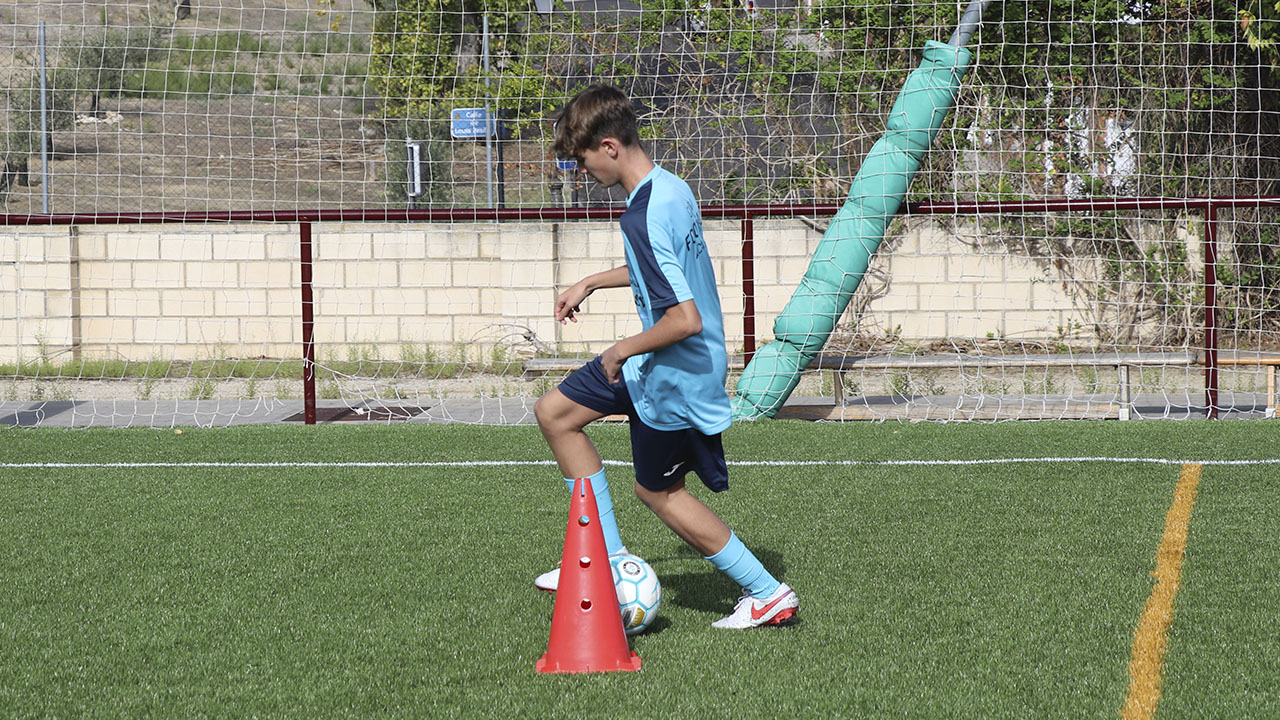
(567, 304)
(680, 321)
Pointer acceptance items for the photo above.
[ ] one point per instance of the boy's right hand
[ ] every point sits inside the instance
(568, 304)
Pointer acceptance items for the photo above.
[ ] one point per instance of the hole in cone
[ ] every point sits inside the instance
(586, 603)
(584, 561)
(584, 520)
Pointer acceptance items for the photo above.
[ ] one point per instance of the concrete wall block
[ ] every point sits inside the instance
(731, 305)
(993, 296)
(1045, 295)
(568, 272)
(330, 332)
(282, 242)
(268, 274)
(977, 268)
(258, 331)
(107, 331)
(215, 335)
(436, 241)
(45, 336)
(212, 274)
(429, 274)
(92, 245)
(57, 244)
(493, 243)
(31, 305)
(477, 273)
(94, 303)
(470, 331)
(527, 305)
(729, 274)
(398, 241)
(372, 274)
(723, 239)
(156, 274)
(595, 332)
(607, 245)
(325, 275)
(136, 303)
(1016, 324)
(427, 333)
(463, 242)
(23, 248)
(528, 274)
(45, 276)
(8, 307)
(239, 246)
(284, 304)
(973, 326)
(791, 270)
(339, 244)
(241, 303)
(340, 302)
(176, 246)
(916, 325)
(530, 241)
(491, 302)
(159, 333)
(189, 303)
(399, 301)
(58, 304)
(901, 298)
(107, 274)
(365, 330)
(9, 246)
(10, 351)
(573, 241)
(449, 301)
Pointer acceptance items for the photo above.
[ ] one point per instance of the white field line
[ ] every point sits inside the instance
(621, 463)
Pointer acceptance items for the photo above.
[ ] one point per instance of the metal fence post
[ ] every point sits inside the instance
(1210, 310)
(308, 328)
(748, 288)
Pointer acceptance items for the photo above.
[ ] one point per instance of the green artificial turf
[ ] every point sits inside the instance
(992, 590)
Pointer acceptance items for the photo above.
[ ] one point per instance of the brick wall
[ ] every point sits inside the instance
(215, 290)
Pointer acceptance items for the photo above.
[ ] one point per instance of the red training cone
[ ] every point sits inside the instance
(586, 625)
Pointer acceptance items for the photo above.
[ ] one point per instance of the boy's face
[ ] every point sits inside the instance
(601, 163)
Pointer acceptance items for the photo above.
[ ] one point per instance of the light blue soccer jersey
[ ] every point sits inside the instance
(679, 386)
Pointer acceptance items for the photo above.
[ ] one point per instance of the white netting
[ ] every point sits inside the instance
(288, 105)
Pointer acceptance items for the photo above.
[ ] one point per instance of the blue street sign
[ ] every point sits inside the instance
(469, 123)
(566, 164)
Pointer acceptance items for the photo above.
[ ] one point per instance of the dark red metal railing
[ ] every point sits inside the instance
(747, 213)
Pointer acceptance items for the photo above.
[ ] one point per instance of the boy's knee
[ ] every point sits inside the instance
(544, 411)
(656, 499)
(553, 413)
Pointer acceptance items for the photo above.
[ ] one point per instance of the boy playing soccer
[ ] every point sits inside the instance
(668, 379)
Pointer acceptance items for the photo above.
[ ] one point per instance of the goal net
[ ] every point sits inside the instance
(233, 116)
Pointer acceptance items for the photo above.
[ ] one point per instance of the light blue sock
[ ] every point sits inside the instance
(604, 505)
(736, 561)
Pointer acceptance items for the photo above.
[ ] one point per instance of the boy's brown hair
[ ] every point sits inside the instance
(596, 113)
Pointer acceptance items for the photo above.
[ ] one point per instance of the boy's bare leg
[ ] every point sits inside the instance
(687, 517)
(561, 421)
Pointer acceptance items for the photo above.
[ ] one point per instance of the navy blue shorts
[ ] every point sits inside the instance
(660, 457)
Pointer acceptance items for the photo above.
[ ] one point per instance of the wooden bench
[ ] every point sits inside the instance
(1255, 359)
(840, 365)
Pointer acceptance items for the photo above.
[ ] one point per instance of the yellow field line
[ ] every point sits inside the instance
(1151, 637)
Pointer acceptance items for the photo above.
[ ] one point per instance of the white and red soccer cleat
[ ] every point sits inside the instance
(778, 609)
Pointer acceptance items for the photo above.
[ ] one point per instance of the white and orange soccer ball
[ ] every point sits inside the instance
(639, 592)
